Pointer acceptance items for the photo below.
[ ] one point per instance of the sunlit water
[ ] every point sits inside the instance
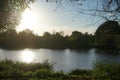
(27, 56)
(65, 60)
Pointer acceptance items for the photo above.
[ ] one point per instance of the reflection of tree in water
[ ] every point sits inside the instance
(104, 51)
(82, 50)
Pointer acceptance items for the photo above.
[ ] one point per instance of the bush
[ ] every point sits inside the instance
(81, 72)
(10, 70)
(106, 71)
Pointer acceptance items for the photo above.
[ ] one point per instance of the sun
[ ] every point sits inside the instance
(37, 20)
(30, 20)
(29, 17)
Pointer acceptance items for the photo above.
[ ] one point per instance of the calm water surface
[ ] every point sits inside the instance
(65, 60)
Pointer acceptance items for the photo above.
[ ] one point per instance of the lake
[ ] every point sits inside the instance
(65, 59)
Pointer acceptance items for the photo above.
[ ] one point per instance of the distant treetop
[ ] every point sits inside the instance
(109, 27)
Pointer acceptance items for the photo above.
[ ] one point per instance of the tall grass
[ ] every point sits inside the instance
(106, 71)
(11, 70)
(19, 70)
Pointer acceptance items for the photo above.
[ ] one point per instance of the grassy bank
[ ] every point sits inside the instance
(10, 70)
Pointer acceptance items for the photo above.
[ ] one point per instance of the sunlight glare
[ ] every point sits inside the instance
(27, 56)
(37, 20)
(30, 20)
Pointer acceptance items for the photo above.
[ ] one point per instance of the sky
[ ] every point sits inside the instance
(51, 16)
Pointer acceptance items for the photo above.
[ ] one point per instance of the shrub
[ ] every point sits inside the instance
(106, 70)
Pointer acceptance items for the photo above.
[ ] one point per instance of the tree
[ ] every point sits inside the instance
(80, 40)
(105, 9)
(26, 38)
(10, 12)
(107, 34)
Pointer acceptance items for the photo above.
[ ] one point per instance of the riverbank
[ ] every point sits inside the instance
(10, 70)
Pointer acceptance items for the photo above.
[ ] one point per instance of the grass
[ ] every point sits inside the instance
(11, 70)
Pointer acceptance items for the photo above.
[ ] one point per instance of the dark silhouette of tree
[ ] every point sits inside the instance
(58, 39)
(80, 40)
(107, 35)
(10, 12)
(8, 38)
(53, 40)
(27, 39)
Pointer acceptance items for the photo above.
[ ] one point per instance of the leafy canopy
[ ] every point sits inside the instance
(10, 12)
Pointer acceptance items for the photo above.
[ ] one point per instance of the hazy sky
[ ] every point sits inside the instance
(54, 17)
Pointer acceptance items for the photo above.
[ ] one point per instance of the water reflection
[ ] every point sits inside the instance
(27, 56)
(65, 60)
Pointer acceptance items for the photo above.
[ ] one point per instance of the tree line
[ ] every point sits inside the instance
(10, 15)
(107, 36)
(27, 39)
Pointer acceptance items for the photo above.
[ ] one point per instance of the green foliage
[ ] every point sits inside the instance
(107, 35)
(27, 39)
(106, 71)
(19, 70)
(80, 40)
(10, 12)
(81, 72)
(11, 70)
